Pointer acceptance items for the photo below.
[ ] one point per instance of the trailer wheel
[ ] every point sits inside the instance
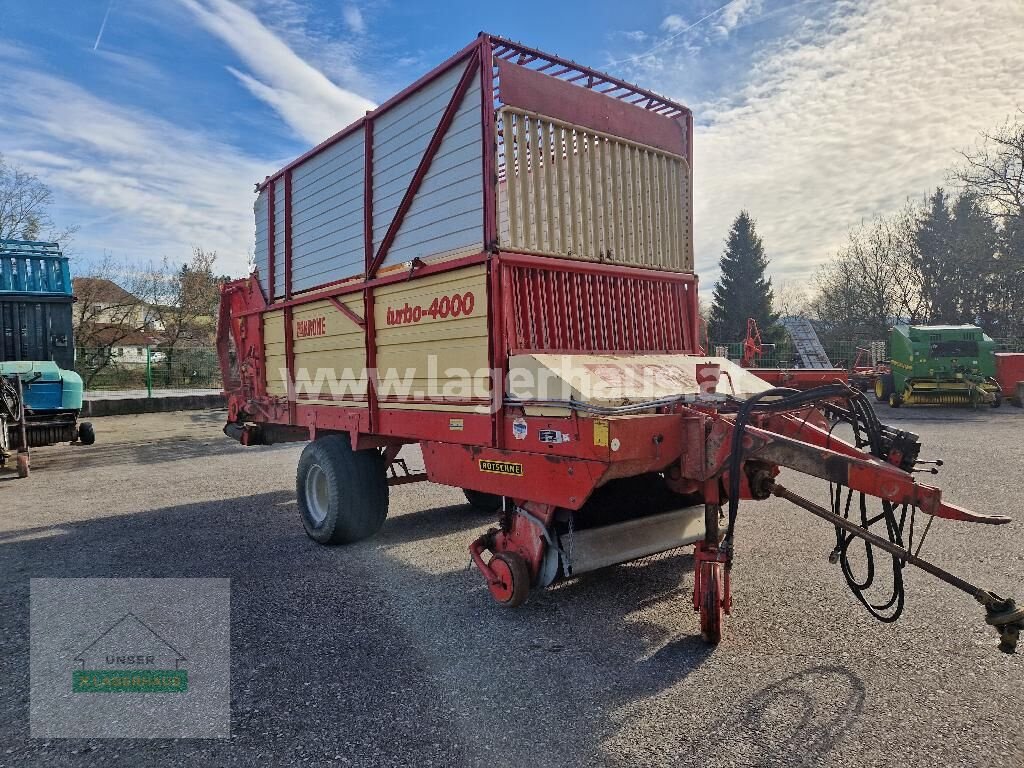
(712, 608)
(86, 433)
(885, 385)
(895, 401)
(342, 494)
(483, 502)
(514, 579)
(998, 400)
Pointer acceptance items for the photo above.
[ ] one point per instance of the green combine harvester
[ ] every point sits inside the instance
(939, 365)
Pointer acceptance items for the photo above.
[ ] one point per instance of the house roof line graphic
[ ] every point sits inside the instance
(131, 616)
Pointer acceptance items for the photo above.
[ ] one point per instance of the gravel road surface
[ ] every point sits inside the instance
(390, 652)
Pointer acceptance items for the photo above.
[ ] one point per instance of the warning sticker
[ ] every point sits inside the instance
(552, 436)
(501, 467)
(456, 425)
(520, 428)
(601, 433)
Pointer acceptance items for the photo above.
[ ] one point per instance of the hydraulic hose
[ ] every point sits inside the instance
(869, 434)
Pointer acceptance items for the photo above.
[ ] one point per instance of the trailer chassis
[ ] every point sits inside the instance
(717, 451)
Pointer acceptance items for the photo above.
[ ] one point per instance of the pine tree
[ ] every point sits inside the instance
(742, 290)
(935, 251)
(975, 246)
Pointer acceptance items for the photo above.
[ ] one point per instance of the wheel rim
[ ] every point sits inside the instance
(317, 495)
(502, 591)
(879, 388)
(712, 607)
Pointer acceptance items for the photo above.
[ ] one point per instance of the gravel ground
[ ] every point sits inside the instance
(390, 652)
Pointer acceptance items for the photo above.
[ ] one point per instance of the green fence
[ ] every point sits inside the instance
(1009, 344)
(150, 369)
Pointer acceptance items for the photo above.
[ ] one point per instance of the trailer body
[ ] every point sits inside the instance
(497, 264)
(35, 304)
(415, 240)
(37, 347)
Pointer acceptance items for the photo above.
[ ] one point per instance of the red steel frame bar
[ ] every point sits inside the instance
(497, 353)
(288, 234)
(271, 236)
(356, 286)
(594, 76)
(490, 144)
(370, 326)
(343, 308)
(289, 331)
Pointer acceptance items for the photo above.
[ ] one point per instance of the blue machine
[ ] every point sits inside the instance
(40, 393)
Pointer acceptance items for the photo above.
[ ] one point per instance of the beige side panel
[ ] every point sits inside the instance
(581, 194)
(432, 340)
(273, 352)
(330, 353)
(330, 360)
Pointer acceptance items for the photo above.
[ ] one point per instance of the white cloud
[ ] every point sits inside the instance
(140, 186)
(733, 14)
(354, 19)
(863, 109)
(673, 23)
(312, 105)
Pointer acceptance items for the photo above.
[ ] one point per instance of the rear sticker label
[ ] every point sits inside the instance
(456, 425)
(501, 467)
(520, 428)
(552, 436)
(601, 433)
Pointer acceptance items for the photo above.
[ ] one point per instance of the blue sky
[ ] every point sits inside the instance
(813, 114)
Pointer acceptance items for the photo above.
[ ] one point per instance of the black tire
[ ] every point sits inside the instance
(483, 502)
(895, 401)
(86, 433)
(884, 386)
(998, 400)
(342, 494)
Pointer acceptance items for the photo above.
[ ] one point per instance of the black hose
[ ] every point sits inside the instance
(869, 433)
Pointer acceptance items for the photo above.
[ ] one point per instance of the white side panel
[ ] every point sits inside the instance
(261, 256)
(447, 214)
(279, 238)
(327, 215)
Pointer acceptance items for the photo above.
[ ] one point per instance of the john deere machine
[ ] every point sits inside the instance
(939, 365)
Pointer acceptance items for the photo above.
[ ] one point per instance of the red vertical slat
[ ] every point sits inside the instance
(612, 312)
(575, 310)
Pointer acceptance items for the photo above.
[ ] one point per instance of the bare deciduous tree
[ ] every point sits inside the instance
(872, 281)
(108, 309)
(24, 207)
(184, 300)
(994, 170)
